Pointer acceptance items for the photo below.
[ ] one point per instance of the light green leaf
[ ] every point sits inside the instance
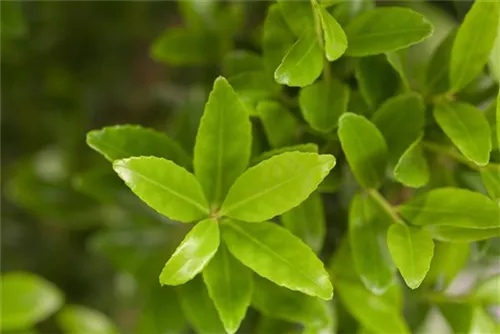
(467, 128)
(498, 118)
(400, 120)
(277, 302)
(412, 169)
(452, 207)
(491, 180)
(229, 285)
(125, 141)
(280, 126)
(277, 38)
(276, 185)
(403, 27)
(473, 43)
(494, 63)
(222, 149)
(397, 59)
(334, 36)
(377, 80)
(461, 234)
(307, 221)
(199, 308)
(438, 70)
(298, 15)
(322, 104)
(240, 61)
(468, 318)
(307, 147)
(412, 250)
(76, 319)
(488, 291)
(276, 254)
(376, 313)
(365, 149)
(449, 259)
(193, 254)
(167, 188)
(367, 234)
(303, 63)
(26, 300)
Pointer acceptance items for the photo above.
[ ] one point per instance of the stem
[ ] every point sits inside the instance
(374, 194)
(319, 34)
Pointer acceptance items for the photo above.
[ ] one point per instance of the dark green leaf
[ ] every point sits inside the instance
(276, 185)
(280, 126)
(276, 254)
(346, 11)
(125, 141)
(298, 15)
(322, 104)
(437, 75)
(222, 149)
(229, 284)
(365, 149)
(241, 61)
(193, 254)
(167, 188)
(412, 169)
(76, 319)
(452, 207)
(334, 36)
(467, 318)
(253, 87)
(397, 59)
(402, 28)
(473, 43)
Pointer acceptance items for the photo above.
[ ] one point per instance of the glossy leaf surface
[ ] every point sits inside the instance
(334, 36)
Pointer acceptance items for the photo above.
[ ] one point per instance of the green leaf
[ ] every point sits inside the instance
(26, 300)
(467, 128)
(412, 169)
(277, 302)
(412, 250)
(307, 221)
(397, 59)
(277, 39)
(403, 27)
(461, 234)
(223, 144)
(167, 188)
(334, 36)
(280, 126)
(241, 61)
(193, 254)
(376, 313)
(276, 254)
(468, 318)
(298, 15)
(76, 319)
(276, 185)
(400, 120)
(367, 231)
(448, 260)
(303, 63)
(488, 291)
(346, 11)
(365, 149)
(498, 118)
(307, 147)
(253, 87)
(229, 285)
(199, 308)
(452, 207)
(438, 71)
(491, 181)
(494, 63)
(125, 141)
(473, 43)
(377, 80)
(322, 104)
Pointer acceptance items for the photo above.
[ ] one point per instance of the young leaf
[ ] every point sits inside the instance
(473, 43)
(467, 128)
(452, 207)
(334, 36)
(199, 308)
(322, 104)
(366, 230)
(298, 15)
(306, 148)
(376, 313)
(400, 120)
(229, 284)
(365, 149)
(279, 124)
(276, 185)
(461, 234)
(26, 300)
(491, 181)
(193, 254)
(277, 302)
(412, 169)
(76, 319)
(412, 250)
(276, 254)
(223, 143)
(303, 63)
(402, 28)
(307, 221)
(167, 188)
(125, 141)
